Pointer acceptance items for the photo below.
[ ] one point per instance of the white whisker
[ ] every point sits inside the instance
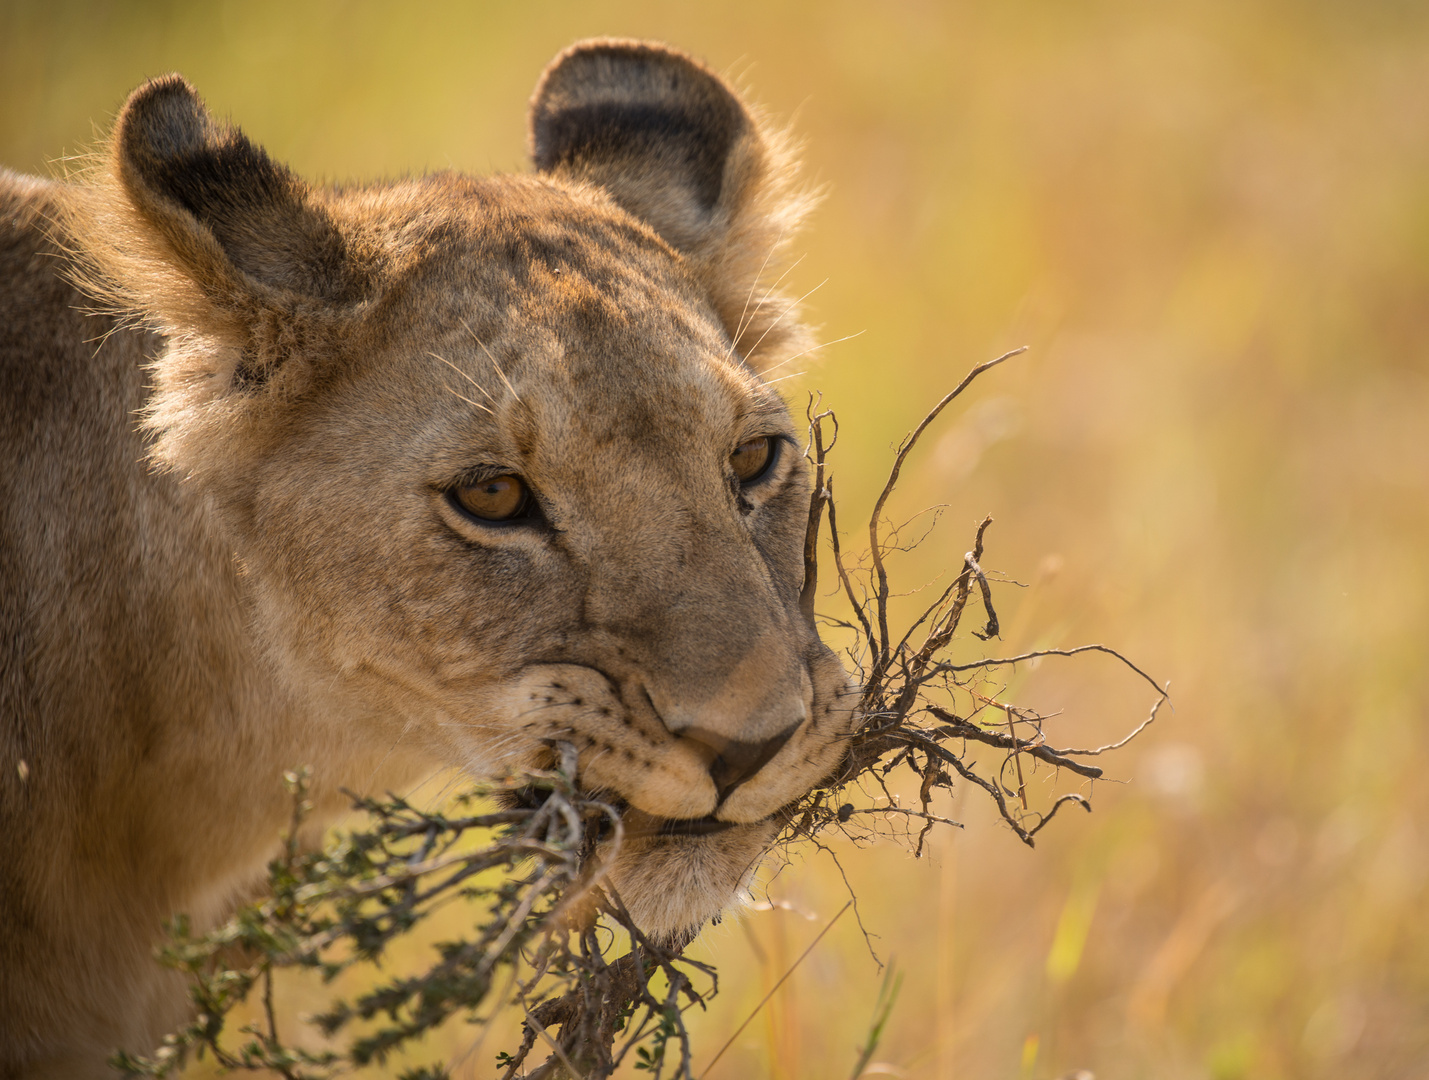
(465, 376)
(768, 330)
(754, 284)
(813, 349)
(764, 299)
(494, 364)
(473, 404)
(795, 375)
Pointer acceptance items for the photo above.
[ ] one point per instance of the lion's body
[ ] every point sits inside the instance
(127, 676)
(270, 570)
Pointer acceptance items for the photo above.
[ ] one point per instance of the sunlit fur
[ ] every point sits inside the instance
(228, 548)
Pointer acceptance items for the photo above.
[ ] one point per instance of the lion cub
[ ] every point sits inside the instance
(383, 480)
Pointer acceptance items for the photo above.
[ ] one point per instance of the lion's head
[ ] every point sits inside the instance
(495, 455)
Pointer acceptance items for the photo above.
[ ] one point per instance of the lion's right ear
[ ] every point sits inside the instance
(674, 145)
(199, 231)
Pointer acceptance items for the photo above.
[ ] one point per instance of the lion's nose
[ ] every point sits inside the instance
(735, 761)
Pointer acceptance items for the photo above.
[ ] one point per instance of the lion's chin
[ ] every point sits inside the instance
(674, 876)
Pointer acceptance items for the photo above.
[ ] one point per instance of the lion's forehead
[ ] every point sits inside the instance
(526, 245)
(556, 298)
(562, 327)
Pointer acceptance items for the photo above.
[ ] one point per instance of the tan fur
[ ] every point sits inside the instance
(228, 548)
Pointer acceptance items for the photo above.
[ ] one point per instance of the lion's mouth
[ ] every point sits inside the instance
(673, 874)
(639, 823)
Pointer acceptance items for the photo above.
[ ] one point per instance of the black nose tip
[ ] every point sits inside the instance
(737, 761)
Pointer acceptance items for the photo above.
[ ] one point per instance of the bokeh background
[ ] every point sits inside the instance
(1210, 221)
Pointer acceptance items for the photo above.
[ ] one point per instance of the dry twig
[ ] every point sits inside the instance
(915, 703)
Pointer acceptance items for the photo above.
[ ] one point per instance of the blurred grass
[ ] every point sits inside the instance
(1211, 222)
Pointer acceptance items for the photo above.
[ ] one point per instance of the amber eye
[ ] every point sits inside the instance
(750, 459)
(499, 499)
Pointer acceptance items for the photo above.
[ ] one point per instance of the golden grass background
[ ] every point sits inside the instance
(1211, 223)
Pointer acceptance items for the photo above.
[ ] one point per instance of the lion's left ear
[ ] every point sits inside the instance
(676, 147)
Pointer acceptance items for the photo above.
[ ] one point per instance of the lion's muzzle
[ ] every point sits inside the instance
(695, 773)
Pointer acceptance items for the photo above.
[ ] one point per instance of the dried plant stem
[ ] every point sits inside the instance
(774, 990)
(875, 546)
(910, 701)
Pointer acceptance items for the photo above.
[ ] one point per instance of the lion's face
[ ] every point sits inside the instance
(520, 519)
(495, 457)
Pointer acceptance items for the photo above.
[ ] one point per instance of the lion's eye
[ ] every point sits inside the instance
(751, 459)
(501, 498)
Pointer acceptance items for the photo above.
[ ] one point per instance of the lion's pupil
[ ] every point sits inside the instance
(497, 499)
(750, 458)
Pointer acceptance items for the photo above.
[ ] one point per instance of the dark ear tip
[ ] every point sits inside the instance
(623, 72)
(608, 63)
(621, 68)
(619, 49)
(163, 119)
